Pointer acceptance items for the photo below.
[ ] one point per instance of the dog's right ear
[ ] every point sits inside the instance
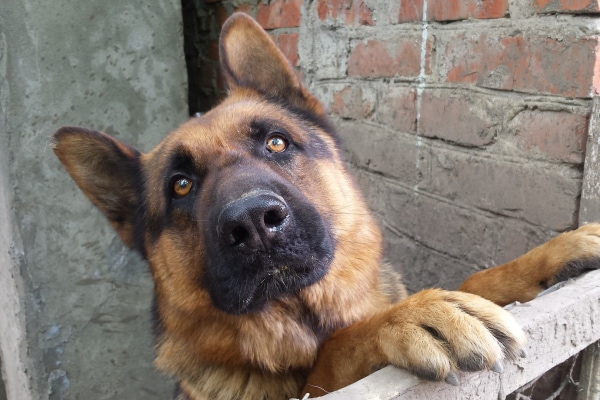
(106, 170)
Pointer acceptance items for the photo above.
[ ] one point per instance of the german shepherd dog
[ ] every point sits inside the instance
(267, 264)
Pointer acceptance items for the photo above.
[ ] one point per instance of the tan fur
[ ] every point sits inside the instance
(536, 269)
(326, 335)
(397, 336)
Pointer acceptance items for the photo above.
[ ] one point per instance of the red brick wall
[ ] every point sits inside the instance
(464, 121)
(202, 22)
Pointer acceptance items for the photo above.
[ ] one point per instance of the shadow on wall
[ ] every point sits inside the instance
(2, 389)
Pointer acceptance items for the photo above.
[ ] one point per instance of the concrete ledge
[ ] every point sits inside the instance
(558, 325)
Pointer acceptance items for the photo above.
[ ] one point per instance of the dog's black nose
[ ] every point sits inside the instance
(254, 221)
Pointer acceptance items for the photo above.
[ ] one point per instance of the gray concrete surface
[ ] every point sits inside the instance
(82, 299)
(2, 388)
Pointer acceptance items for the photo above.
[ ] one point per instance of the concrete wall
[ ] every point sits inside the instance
(74, 304)
(465, 123)
(2, 388)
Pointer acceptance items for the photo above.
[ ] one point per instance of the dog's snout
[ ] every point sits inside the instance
(254, 221)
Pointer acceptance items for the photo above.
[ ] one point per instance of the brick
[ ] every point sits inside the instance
(567, 6)
(351, 12)
(398, 56)
(288, 43)
(422, 232)
(557, 135)
(527, 64)
(454, 230)
(399, 156)
(397, 109)
(545, 197)
(279, 14)
(458, 118)
(411, 10)
(351, 103)
(453, 10)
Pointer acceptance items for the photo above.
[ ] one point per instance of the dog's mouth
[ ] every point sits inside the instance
(275, 283)
(274, 280)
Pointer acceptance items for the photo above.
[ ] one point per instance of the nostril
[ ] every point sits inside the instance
(274, 218)
(239, 235)
(253, 222)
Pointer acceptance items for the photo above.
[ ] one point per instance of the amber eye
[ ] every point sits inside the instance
(276, 143)
(181, 187)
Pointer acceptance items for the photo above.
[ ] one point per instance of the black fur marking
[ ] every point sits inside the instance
(473, 362)
(142, 222)
(243, 277)
(574, 268)
(428, 375)
(178, 393)
(139, 229)
(504, 339)
(436, 334)
(321, 122)
(181, 162)
(260, 129)
(508, 345)
(310, 144)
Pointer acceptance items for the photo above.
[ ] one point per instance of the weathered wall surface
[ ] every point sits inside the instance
(84, 300)
(2, 388)
(464, 121)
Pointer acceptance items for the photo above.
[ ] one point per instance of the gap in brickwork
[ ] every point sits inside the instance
(2, 388)
(201, 33)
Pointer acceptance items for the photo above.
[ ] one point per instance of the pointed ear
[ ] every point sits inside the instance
(250, 59)
(106, 170)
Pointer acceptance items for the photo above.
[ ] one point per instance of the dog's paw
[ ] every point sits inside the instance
(435, 333)
(569, 254)
(566, 256)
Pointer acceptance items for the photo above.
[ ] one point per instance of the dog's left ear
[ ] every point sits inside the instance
(250, 59)
(106, 170)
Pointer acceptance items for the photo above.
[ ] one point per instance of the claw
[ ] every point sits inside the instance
(452, 379)
(497, 367)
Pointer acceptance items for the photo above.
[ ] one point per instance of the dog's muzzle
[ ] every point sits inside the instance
(253, 222)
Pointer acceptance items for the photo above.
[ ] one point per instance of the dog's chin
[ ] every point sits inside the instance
(277, 283)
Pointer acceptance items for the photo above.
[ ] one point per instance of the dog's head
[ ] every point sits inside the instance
(238, 207)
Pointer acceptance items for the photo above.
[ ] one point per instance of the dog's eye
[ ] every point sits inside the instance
(276, 143)
(181, 187)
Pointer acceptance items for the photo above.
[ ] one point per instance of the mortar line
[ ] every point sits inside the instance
(420, 88)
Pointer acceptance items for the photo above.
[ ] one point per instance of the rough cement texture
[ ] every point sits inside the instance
(2, 389)
(111, 65)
